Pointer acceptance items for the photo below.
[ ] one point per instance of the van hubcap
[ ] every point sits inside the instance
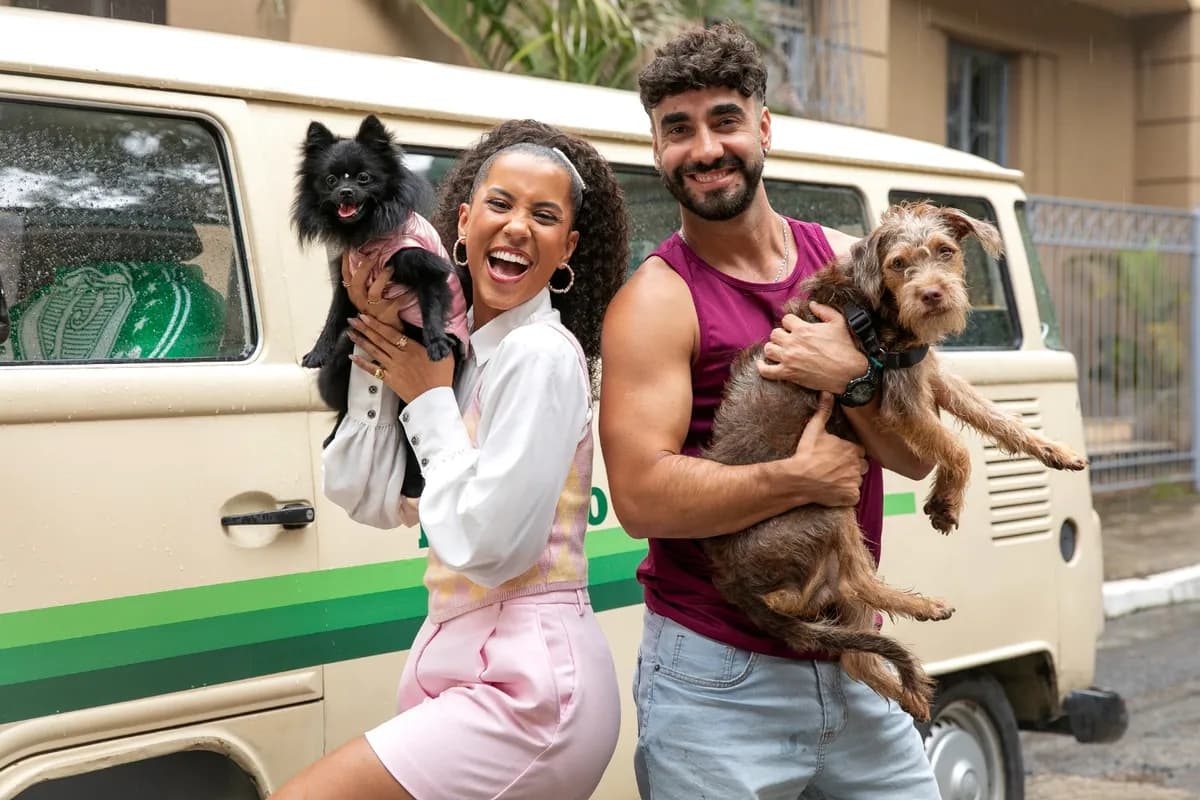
(964, 749)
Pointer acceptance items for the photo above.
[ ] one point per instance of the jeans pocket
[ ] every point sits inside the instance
(688, 657)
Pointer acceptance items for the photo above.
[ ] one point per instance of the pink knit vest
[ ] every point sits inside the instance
(563, 564)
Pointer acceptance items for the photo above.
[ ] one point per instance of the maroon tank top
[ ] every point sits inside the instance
(733, 314)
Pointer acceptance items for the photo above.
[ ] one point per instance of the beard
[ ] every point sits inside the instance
(719, 204)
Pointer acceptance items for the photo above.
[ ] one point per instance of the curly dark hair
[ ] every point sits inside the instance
(722, 55)
(602, 255)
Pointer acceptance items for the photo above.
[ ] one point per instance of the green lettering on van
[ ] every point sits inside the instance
(598, 511)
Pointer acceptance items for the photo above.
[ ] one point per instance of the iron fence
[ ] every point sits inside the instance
(1122, 281)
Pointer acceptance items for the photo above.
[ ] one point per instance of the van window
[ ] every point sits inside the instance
(117, 238)
(992, 324)
(1051, 333)
(654, 214)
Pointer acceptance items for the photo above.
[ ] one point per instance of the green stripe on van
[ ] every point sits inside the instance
(84, 655)
(85, 671)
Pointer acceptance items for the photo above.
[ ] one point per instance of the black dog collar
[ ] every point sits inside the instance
(863, 327)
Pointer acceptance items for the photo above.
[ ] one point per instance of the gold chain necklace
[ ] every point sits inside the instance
(786, 250)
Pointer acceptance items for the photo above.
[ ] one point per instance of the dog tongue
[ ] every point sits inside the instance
(347, 210)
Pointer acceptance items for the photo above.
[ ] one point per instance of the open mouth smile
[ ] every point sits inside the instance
(348, 212)
(506, 265)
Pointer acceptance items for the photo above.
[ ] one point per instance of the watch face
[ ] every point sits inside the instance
(861, 393)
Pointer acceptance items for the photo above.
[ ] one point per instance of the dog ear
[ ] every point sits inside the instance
(372, 134)
(863, 266)
(964, 225)
(318, 138)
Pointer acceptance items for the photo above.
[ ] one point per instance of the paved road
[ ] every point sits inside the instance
(1153, 659)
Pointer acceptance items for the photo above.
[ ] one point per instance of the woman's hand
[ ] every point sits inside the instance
(367, 295)
(402, 364)
(816, 355)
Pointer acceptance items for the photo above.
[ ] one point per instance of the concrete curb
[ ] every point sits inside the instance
(1166, 588)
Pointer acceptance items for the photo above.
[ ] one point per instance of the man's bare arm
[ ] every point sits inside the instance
(645, 409)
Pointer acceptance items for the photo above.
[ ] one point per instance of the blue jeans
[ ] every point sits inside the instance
(722, 723)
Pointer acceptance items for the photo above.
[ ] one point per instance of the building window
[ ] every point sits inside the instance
(816, 65)
(977, 102)
(135, 10)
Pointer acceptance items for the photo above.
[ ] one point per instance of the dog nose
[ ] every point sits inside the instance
(931, 297)
(346, 195)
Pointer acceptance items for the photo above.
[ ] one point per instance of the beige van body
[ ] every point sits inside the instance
(143, 640)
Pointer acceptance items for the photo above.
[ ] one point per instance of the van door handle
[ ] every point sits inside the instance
(291, 517)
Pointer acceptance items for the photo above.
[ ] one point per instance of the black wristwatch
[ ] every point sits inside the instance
(859, 391)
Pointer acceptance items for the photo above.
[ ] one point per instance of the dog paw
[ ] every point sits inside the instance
(440, 348)
(1058, 457)
(312, 361)
(938, 611)
(941, 515)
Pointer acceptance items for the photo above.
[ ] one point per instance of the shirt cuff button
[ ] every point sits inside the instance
(371, 413)
(372, 389)
(424, 462)
(415, 440)
(404, 417)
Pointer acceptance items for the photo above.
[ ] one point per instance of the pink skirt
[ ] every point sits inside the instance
(514, 700)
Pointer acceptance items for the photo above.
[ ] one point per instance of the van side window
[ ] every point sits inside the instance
(117, 239)
(992, 324)
(654, 214)
(1051, 332)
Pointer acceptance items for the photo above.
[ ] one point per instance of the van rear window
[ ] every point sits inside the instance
(992, 323)
(654, 214)
(117, 238)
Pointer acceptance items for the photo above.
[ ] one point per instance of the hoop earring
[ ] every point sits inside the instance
(570, 281)
(454, 251)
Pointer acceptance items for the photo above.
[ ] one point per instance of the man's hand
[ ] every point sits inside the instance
(818, 355)
(828, 468)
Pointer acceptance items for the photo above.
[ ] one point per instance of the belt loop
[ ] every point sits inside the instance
(579, 600)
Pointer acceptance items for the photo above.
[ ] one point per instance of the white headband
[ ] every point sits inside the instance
(570, 166)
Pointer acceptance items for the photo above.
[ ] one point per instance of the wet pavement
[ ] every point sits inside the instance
(1150, 531)
(1150, 657)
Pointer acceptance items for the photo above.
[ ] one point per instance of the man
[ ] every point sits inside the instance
(725, 711)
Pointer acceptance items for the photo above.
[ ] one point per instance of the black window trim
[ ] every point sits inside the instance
(232, 195)
(1002, 263)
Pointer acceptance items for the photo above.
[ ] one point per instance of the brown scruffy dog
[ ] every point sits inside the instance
(806, 576)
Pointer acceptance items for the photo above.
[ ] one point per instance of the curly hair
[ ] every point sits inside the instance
(722, 55)
(602, 255)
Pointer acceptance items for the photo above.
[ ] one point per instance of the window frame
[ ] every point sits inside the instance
(230, 188)
(961, 54)
(1010, 299)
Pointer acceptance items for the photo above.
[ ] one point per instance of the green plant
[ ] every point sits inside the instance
(601, 42)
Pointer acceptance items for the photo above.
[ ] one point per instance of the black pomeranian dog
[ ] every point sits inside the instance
(357, 197)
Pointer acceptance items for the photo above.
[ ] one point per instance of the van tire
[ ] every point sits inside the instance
(972, 740)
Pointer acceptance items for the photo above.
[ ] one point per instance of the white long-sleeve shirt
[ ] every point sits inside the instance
(486, 508)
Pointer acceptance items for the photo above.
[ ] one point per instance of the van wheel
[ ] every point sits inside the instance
(972, 741)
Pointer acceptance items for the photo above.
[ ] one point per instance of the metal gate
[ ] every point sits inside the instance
(1122, 281)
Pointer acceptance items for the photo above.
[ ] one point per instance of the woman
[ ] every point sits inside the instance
(509, 690)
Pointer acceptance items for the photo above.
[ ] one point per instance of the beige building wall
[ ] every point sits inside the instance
(361, 25)
(1072, 98)
(1168, 111)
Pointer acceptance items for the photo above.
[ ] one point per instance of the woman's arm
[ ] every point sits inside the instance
(487, 509)
(363, 468)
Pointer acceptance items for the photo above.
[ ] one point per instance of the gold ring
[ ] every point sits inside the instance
(402, 342)
(371, 302)
(346, 284)
(379, 373)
